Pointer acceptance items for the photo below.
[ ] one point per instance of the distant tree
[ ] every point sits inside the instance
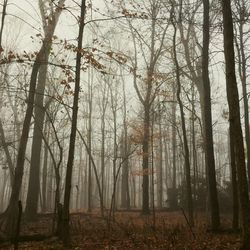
(147, 91)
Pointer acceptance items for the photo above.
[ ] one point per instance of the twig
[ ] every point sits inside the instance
(191, 230)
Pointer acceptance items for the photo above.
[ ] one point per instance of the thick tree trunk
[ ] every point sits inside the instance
(234, 119)
(235, 223)
(39, 112)
(208, 130)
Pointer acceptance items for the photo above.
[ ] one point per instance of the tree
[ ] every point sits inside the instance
(234, 120)
(183, 124)
(49, 24)
(207, 116)
(242, 17)
(9, 218)
(65, 220)
(198, 73)
(147, 92)
(125, 197)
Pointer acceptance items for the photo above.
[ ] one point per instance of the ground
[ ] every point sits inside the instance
(131, 230)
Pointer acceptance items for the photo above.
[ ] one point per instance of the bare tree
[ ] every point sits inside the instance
(9, 218)
(183, 123)
(207, 116)
(65, 220)
(147, 93)
(50, 16)
(234, 119)
(241, 40)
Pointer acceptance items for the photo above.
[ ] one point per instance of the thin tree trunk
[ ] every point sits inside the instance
(90, 102)
(159, 156)
(65, 222)
(7, 153)
(45, 168)
(243, 77)
(183, 125)
(173, 127)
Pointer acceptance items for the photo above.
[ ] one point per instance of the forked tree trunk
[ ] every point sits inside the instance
(39, 112)
(9, 218)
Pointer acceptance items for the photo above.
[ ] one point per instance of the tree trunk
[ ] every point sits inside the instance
(234, 119)
(7, 153)
(39, 113)
(45, 168)
(208, 130)
(145, 160)
(10, 216)
(235, 224)
(174, 202)
(183, 125)
(159, 171)
(34, 177)
(65, 223)
(243, 76)
(125, 197)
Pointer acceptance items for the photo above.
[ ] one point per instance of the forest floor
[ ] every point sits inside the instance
(131, 230)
